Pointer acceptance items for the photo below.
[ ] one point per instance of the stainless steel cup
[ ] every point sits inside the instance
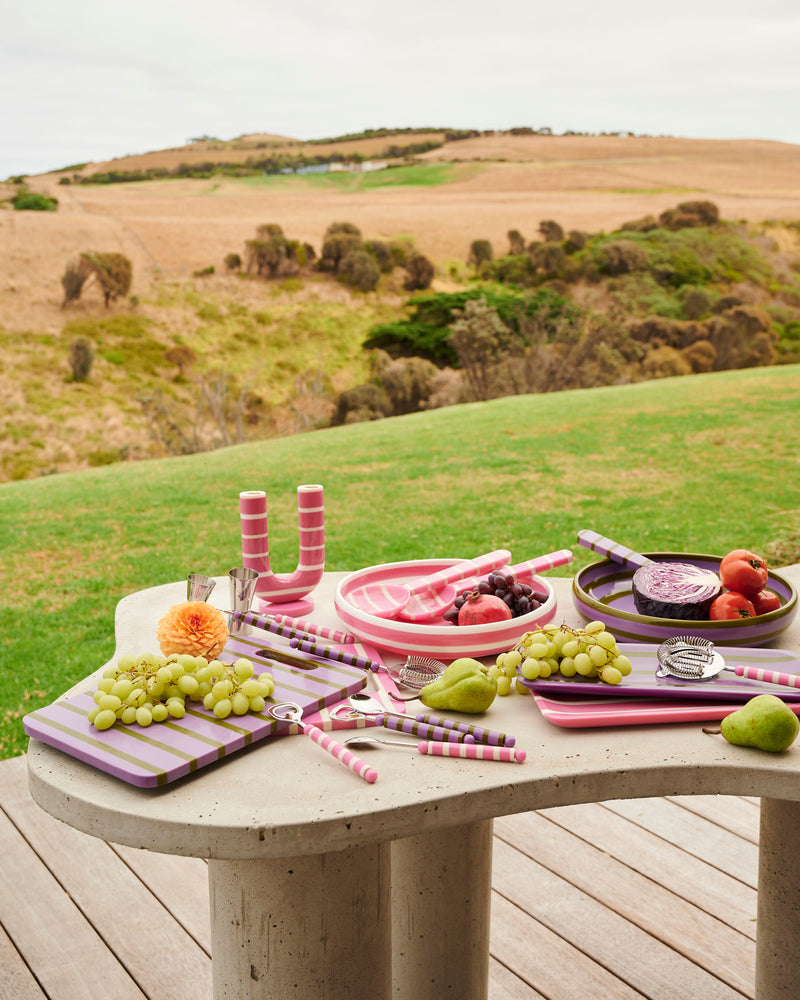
(243, 588)
(199, 587)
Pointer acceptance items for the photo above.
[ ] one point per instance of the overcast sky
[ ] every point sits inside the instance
(90, 80)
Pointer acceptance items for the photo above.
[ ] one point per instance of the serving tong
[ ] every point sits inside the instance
(692, 658)
(290, 711)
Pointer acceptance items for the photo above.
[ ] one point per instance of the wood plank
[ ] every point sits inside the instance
(547, 960)
(599, 872)
(731, 812)
(49, 931)
(16, 980)
(707, 841)
(724, 897)
(140, 932)
(182, 887)
(506, 985)
(617, 945)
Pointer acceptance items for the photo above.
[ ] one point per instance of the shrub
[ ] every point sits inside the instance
(408, 383)
(700, 356)
(27, 201)
(621, 257)
(233, 261)
(696, 303)
(547, 259)
(516, 243)
(358, 268)
(690, 214)
(664, 362)
(479, 252)
(81, 357)
(550, 231)
(341, 238)
(73, 279)
(112, 271)
(381, 253)
(643, 225)
(267, 251)
(363, 402)
(419, 271)
(576, 240)
(181, 355)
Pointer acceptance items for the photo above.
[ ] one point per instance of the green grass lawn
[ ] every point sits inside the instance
(704, 464)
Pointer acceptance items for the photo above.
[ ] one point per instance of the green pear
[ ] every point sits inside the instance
(764, 722)
(465, 686)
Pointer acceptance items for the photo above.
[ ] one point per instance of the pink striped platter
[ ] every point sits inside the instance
(437, 638)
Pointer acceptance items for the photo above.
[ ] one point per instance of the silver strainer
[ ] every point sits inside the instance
(690, 658)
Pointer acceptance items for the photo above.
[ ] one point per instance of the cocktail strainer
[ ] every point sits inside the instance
(690, 658)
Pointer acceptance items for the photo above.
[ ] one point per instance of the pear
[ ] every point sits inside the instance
(465, 686)
(764, 722)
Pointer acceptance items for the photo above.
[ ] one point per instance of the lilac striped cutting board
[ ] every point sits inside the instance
(153, 756)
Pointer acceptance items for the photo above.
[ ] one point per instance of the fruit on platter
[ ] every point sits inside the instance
(730, 606)
(464, 686)
(765, 722)
(152, 688)
(520, 598)
(481, 609)
(588, 652)
(744, 574)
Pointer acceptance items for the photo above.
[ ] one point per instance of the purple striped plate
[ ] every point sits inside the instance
(602, 591)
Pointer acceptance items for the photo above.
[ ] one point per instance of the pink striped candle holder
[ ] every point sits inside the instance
(284, 593)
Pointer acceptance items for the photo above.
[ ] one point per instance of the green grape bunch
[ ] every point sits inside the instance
(153, 688)
(588, 652)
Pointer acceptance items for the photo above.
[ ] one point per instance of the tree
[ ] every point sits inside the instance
(341, 238)
(516, 243)
(267, 251)
(112, 271)
(479, 338)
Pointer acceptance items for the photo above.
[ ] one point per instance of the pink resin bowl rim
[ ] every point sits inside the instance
(631, 627)
(443, 641)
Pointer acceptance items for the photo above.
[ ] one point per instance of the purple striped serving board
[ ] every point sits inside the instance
(158, 754)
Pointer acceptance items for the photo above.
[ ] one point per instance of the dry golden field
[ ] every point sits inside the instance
(172, 228)
(500, 182)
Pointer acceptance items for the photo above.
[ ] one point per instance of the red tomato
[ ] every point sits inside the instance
(766, 601)
(731, 606)
(744, 572)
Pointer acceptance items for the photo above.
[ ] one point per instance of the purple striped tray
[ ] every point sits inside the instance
(158, 754)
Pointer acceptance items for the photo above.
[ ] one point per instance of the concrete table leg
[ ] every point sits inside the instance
(778, 926)
(441, 893)
(316, 926)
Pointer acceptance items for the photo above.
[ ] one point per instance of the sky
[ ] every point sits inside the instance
(88, 81)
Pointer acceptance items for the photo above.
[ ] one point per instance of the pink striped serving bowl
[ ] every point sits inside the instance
(438, 638)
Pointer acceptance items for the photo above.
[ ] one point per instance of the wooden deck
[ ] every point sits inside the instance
(647, 898)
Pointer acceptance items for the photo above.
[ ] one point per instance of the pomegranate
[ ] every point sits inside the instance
(481, 609)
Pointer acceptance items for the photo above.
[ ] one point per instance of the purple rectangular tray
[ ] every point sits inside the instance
(160, 753)
(643, 683)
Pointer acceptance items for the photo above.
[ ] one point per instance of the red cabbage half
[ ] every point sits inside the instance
(675, 590)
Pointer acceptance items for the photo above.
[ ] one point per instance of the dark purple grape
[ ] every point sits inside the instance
(526, 590)
(509, 600)
(459, 601)
(451, 615)
(496, 580)
(516, 590)
(484, 587)
(540, 596)
(502, 593)
(523, 605)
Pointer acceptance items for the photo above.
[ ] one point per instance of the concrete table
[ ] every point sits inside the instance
(321, 884)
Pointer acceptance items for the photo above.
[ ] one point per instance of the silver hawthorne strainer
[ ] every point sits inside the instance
(417, 672)
(690, 658)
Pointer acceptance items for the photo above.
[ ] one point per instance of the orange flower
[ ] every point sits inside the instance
(193, 627)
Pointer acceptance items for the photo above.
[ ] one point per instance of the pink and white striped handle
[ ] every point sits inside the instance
(341, 753)
(473, 751)
(458, 571)
(607, 547)
(770, 676)
(311, 628)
